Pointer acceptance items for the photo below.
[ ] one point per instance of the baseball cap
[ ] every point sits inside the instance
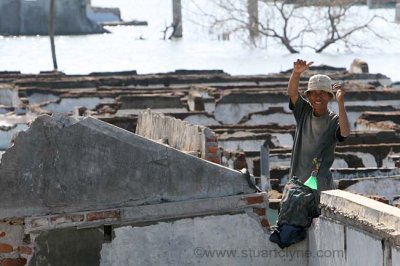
(320, 82)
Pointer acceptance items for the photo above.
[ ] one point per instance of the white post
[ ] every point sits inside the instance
(264, 165)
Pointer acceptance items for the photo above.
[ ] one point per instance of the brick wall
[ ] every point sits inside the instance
(260, 211)
(15, 247)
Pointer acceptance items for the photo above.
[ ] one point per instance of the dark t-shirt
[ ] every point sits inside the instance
(315, 137)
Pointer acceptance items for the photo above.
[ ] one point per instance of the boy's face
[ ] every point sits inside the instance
(319, 100)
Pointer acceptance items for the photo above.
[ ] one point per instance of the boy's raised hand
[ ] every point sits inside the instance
(340, 92)
(300, 66)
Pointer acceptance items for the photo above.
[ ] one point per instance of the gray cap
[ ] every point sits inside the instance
(320, 82)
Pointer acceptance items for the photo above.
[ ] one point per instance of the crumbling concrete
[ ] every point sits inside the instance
(369, 214)
(196, 140)
(71, 180)
(366, 232)
(68, 164)
(243, 111)
(80, 180)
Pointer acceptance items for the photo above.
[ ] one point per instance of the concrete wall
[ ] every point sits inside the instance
(361, 231)
(64, 164)
(77, 238)
(353, 230)
(213, 240)
(20, 17)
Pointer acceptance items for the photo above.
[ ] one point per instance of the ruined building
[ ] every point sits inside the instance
(90, 176)
(16, 17)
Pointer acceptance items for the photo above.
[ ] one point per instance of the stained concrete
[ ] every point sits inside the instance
(395, 256)
(71, 164)
(66, 247)
(363, 249)
(321, 238)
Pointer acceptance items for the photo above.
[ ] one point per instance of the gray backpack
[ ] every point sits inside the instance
(299, 204)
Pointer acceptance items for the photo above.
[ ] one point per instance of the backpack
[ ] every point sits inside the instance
(299, 205)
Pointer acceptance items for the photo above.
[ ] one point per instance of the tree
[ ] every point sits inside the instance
(305, 24)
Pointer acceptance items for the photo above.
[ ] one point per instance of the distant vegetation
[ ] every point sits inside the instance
(314, 25)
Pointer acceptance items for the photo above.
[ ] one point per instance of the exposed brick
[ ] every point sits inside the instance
(93, 216)
(2, 234)
(15, 221)
(39, 222)
(13, 262)
(5, 248)
(213, 149)
(254, 199)
(260, 211)
(60, 219)
(214, 160)
(379, 198)
(265, 223)
(24, 250)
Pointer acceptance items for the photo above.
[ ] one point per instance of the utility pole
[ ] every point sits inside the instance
(177, 19)
(52, 11)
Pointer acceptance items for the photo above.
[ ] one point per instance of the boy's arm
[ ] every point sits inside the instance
(343, 119)
(293, 88)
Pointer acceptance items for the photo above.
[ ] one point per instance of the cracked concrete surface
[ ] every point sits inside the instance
(70, 164)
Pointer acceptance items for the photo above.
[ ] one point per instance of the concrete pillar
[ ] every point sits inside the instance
(252, 9)
(9, 96)
(397, 18)
(177, 18)
(264, 163)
